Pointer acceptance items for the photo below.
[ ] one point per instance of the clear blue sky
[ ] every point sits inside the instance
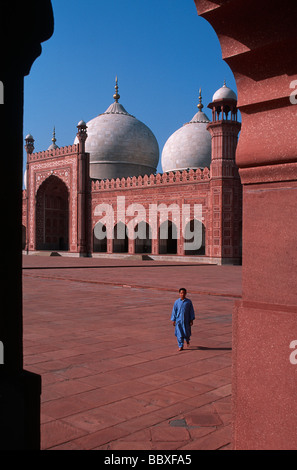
(161, 51)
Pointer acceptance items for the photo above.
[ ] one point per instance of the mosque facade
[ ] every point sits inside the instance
(102, 195)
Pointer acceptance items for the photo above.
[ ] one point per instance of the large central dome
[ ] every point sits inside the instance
(120, 145)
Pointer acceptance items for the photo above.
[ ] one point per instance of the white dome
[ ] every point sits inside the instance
(224, 93)
(189, 146)
(120, 145)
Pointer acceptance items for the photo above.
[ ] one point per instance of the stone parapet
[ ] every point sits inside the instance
(153, 180)
(53, 153)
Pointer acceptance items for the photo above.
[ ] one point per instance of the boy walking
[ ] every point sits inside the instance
(182, 318)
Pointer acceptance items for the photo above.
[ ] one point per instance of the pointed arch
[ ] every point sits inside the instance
(52, 215)
(120, 238)
(100, 238)
(194, 238)
(143, 239)
(168, 238)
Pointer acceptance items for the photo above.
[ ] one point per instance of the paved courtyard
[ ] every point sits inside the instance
(98, 331)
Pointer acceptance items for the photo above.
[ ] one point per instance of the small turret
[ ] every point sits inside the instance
(29, 144)
(82, 135)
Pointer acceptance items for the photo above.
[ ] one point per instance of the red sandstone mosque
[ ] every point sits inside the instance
(112, 167)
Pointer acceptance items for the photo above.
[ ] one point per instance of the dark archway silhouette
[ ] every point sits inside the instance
(143, 240)
(52, 215)
(24, 235)
(194, 238)
(100, 238)
(120, 238)
(168, 238)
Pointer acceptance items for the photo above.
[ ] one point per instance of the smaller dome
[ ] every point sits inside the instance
(29, 137)
(224, 93)
(189, 146)
(81, 123)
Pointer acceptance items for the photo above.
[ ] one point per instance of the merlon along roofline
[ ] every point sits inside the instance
(58, 152)
(170, 177)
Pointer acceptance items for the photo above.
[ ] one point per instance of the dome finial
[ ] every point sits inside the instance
(54, 140)
(116, 95)
(200, 105)
(225, 82)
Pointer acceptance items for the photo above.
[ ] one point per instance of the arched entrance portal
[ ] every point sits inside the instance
(120, 238)
(168, 238)
(52, 215)
(143, 240)
(99, 238)
(195, 238)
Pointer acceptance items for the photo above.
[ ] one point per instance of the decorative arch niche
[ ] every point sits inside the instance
(52, 215)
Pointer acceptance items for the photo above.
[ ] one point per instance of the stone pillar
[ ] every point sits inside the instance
(109, 245)
(83, 222)
(29, 147)
(19, 390)
(131, 244)
(258, 40)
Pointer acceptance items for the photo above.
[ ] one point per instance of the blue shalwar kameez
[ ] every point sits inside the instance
(182, 313)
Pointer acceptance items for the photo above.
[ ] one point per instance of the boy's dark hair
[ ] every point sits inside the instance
(182, 288)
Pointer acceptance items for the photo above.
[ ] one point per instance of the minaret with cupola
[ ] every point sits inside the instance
(226, 193)
(83, 192)
(29, 147)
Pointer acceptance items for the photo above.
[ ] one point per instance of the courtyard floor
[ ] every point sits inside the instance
(98, 332)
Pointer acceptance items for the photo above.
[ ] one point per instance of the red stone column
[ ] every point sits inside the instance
(258, 40)
(83, 222)
(131, 243)
(29, 149)
(109, 245)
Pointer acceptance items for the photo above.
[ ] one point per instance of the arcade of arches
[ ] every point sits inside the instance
(167, 238)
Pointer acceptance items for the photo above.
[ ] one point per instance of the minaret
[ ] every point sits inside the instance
(226, 198)
(83, 192)
(29, 147)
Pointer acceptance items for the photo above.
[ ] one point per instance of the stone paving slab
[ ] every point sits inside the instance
(98, 332)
